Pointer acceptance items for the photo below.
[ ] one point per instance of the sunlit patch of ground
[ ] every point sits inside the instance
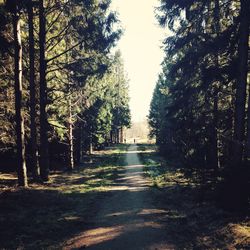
(101, 235)
(241, 233)
(112, 150)
(208, 226)
(140, 151)
(61, 212)
(8, 176)
(43, 216)
(94, 236)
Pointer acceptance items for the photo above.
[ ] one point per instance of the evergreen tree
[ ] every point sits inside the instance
(204, 106)
(74, 53)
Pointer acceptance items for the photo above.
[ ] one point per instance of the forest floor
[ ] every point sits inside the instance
(124, 197)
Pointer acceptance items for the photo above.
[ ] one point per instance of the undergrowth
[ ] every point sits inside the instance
(45, 216)
(206, 225)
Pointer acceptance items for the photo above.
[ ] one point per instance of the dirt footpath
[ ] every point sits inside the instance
(128, 218)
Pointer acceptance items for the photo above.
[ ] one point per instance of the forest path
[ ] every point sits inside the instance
(128, 219)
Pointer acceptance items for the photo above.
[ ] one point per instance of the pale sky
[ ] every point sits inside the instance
(141, 52)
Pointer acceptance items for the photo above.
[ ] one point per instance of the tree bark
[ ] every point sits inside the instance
(111, 136)
(245, 72)
(117, 135)
(90, 145)
(247, 154)
(81, 144)
(20, 133)
(121, 137)
(240, 102)
(214, 134)
(33, 131)
(44, 153)
(71, 145)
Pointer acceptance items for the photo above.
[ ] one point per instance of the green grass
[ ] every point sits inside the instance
(206, 225)
(45, 216)
(161, 172)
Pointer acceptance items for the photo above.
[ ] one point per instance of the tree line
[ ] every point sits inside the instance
(63, 90)
(200, 110)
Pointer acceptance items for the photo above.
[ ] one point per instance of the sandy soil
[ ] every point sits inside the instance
(128, 219)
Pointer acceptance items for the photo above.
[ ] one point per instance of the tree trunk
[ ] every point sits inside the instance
(33, 131)
(244, 73)
(247, 154)
(240, 102)
(121, 137)
(71, 146)
(111, 136)
(207, 139)
(20, 133)
(117, 135)
(214, 135)
(90, 145)
(44, 153)
(81, 144)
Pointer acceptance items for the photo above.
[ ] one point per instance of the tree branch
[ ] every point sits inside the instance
(64, 52)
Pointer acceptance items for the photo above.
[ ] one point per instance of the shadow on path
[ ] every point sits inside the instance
(132, 217)
(126, 214)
